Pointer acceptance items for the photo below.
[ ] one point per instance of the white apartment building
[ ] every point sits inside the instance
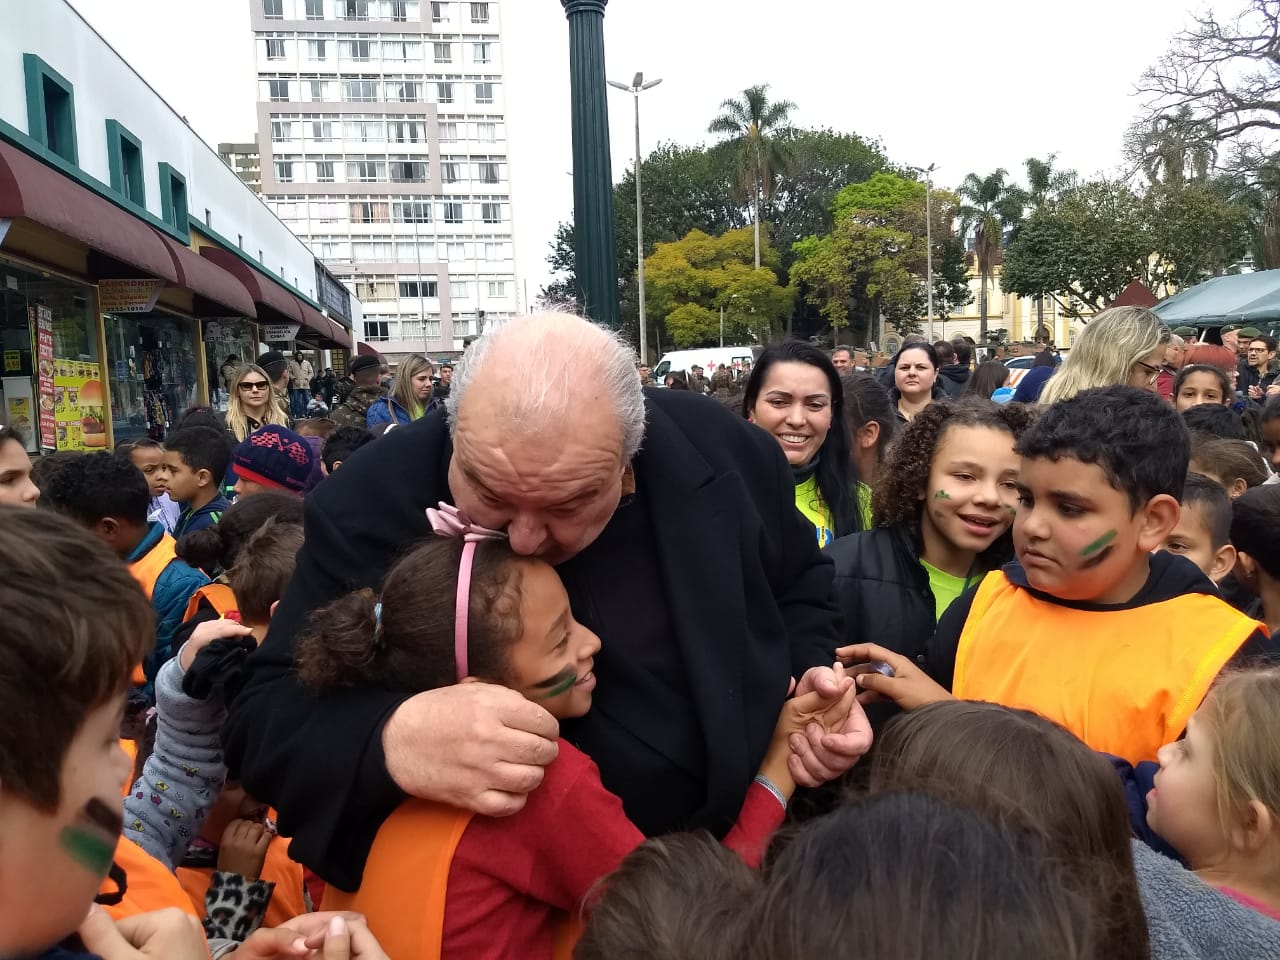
(383, 141)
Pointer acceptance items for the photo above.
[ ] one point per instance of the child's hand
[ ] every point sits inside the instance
(243, 849)
(345, 940)
(161, 934)
(798, 712)
(301, 937)
(204, 634)
(909, 687)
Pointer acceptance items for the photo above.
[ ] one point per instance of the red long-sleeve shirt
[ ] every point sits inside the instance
(512, 877)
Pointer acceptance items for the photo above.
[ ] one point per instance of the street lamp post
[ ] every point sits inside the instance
(637, 87)
(928, 234)
(731, 299)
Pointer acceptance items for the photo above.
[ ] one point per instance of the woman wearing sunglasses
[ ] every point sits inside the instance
(1120, 346)
(251, 404)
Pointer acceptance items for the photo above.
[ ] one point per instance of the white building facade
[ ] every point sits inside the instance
(384, 146)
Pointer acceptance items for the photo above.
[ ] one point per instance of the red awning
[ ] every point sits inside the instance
(313, 319)
(37, 192)
(341, 335)
(202, 276)
(264, 290)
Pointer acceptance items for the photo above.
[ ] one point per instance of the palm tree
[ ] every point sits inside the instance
(991, 205)
(753, 127)
(1045, 184)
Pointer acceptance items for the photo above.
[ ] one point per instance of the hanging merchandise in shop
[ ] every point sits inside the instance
(154, 370)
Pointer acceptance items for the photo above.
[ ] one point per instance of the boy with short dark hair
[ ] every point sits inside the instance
(65, 659)
(1255, 531)
(196, 460)
(340, 444)
(1088, 626)
(108, 495)
(1203, 533)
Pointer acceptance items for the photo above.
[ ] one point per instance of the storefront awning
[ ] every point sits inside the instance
(206, 279)
(328, 331)
(31, 190)
(264, 291)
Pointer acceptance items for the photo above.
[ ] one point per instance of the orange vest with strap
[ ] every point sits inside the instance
(1123, 681)
(406, 881)
(147, 568)
(287, 900)
(219, 595)
(150, 885)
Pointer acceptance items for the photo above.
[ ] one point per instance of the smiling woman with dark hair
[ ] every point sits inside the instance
(795, 394)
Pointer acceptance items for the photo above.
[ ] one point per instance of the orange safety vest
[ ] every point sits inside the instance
(150, 885)
(219, 595)
(147, 568)
(406, 880)
(1123, 681)
(287, 900)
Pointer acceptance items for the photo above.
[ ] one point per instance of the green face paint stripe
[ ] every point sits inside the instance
(942, 495)
(562, 682)
(88, 849)
(1098, 544)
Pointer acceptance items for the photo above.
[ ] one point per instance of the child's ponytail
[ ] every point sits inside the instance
(341, 647)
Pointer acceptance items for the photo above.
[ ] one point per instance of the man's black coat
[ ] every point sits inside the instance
(748, 598)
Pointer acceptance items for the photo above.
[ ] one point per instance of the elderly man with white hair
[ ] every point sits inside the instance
(673, 526)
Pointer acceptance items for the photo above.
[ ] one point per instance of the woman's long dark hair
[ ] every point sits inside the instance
(835, 474)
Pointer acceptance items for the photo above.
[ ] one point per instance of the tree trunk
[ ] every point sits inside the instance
(757, 219)
(982, 305)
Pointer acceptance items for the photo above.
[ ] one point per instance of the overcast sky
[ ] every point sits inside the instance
(968, 86)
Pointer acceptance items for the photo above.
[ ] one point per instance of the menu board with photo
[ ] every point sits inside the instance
(78, 401)
(42, 334)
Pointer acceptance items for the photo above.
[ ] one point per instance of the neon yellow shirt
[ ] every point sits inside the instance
(945, 586)
(864, 504)
(809, 502)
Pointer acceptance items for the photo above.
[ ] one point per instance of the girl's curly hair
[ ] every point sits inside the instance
(898, 497)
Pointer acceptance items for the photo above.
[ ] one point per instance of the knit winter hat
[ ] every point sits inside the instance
(275, 457)
(273, 362)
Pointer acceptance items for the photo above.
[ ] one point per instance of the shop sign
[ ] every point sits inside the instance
(12, 361)
(128, 296)
(279, 332)
(78, 405)
(42, 334)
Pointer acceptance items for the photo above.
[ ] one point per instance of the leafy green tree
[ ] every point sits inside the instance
(689, 281)
(1044, 184)
(755, 128)
(991, 205)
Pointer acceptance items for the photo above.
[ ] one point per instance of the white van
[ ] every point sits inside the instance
(708, 358)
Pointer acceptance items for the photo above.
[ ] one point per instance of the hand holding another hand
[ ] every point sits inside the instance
(909, 687)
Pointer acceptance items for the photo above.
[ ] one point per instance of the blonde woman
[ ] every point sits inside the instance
(410, 394)
(1120, 346)
(252, 404)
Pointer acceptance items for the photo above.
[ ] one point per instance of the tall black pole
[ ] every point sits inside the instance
(594, 244)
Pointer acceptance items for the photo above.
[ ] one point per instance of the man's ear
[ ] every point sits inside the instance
(204, 477)
(107, 530)
(1246, 571)
(1223, 562)
(1157, 520)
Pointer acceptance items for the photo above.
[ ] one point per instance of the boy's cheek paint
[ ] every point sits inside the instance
(1096, 553)
(92, 841)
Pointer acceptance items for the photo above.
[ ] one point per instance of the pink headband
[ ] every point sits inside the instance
(449, 521)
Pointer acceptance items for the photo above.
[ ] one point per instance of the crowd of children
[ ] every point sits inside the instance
(1064, 626)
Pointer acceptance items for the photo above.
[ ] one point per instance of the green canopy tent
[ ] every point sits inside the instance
(1247, 299)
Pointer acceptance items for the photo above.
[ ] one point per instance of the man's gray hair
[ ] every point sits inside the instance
(1176, 341)
(546, 362)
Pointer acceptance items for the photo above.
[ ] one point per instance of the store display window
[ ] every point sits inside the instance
(154, 368)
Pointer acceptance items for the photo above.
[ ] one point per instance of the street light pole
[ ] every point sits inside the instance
(637, 87)
(928, 234)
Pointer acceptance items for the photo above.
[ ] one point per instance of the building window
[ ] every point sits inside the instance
(451, 212)
(479, 13)
(455, 252)
(443, 52)
(487, 172)
(321, 130)
(368, 211)
(275, 49)
(51, 110)
(324, 171)
(399, 11)
(354, 9)
(326, 211)
(413, 289)
(173, 198)
(364, 131)
(487, 132)
(360, 91)
(439, 12)
(273, 9)
(484, 92)
(354, 49)
(450, 171)
(377, 330)
(317, 49)
(491, 212)
(124, 159)
(366, 171)
(409, 91)
(448, 132)
(480, 52)
(406, 131)
(278, 89)
(493, 251)
(497, 288)
(460, 289)
(408, 171)
(315, 9)
(411, 211)
(401, 50)
(281, 130)
(284, 171)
